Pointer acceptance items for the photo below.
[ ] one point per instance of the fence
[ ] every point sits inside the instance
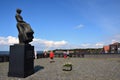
(60, 55)
(5, 57)
(83, 55)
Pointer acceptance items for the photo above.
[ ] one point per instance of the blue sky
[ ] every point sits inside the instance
(62, 23)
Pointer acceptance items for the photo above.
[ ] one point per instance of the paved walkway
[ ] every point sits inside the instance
(83, 69)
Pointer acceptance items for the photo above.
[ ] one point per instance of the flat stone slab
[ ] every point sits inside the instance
(83, 69)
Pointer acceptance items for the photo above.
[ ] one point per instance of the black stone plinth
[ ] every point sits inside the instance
(21, 61)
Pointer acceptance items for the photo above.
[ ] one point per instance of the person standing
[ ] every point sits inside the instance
(45, 54)
(35, 54)
(51, 55)
(68, 53)
(65, 54)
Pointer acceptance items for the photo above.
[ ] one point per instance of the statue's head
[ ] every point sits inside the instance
(18, 11)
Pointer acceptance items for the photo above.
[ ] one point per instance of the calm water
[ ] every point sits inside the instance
(4, 52)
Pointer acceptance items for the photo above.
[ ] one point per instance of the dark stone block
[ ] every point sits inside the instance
(21, 60)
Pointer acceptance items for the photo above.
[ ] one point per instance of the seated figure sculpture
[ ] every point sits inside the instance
(25, 31)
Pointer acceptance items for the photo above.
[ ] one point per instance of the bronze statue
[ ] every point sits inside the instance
(25, 31)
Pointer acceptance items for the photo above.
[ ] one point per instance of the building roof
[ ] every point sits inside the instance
(106, 48)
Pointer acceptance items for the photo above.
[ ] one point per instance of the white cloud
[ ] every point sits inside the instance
(113, 41)
(99, 45)
(48, 44)
(85, 45)
(3, 41)
(95, 45)
(42, 44)
(8, 40)
(79, 26)
(12, 40)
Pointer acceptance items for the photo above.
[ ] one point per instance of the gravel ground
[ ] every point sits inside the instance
(83, 69)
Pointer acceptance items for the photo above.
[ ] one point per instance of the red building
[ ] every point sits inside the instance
(106, 49)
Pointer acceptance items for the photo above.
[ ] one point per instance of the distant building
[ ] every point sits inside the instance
(115, 48)
(112, 48)
(106, 49)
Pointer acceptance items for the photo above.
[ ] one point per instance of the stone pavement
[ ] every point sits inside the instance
(83, 69)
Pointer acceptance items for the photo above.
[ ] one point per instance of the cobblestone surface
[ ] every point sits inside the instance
(83, 69)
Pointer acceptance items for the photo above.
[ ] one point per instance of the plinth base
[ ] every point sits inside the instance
(21, 60)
